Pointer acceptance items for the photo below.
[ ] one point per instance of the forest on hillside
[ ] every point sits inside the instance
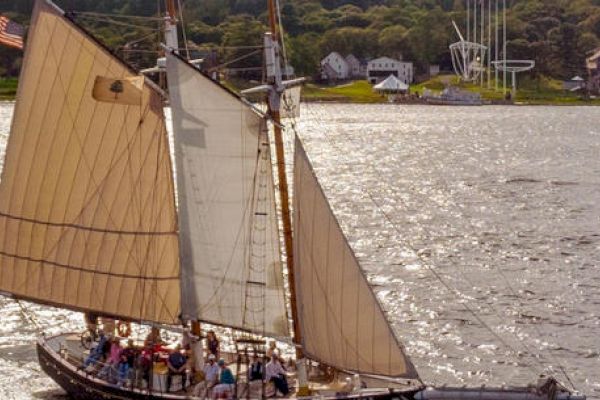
(558, 34)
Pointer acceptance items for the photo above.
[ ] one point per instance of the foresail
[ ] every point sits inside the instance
(341, 321)
(87, 208)
(230, 251)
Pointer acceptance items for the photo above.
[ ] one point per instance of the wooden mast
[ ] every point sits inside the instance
(171, 10)
(274, 110)
(171, 39)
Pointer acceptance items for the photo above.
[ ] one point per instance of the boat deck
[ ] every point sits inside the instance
(62, 358)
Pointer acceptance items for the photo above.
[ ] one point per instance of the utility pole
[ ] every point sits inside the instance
(489, 50)
(504, 55)
(468, 6)
(475, 22)
(482, 63)
(496, 47)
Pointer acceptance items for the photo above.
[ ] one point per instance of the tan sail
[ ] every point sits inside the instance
(342, 322)
(87, 213)
(230, 251)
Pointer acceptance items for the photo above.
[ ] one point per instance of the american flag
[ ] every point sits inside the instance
(11, 33)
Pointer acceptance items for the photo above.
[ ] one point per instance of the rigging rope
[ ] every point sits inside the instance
(218, 67)
(106, 15)
(185, 41)
(281, 36)
(108, 20)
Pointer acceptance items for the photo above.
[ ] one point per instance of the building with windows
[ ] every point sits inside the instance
(357, 67)
(334, 67)
(380, 68)
(593, 68)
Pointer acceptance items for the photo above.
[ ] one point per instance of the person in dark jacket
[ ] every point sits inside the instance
(257, 370)
(176, 364)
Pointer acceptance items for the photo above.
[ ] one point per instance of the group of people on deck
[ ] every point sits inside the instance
(219, 381)
(132, 365)
(115, 362)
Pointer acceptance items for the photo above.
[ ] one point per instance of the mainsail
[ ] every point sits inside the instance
(342, 322)
(230, 249)
(87, 211)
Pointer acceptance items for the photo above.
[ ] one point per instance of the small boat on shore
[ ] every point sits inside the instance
(453, 96)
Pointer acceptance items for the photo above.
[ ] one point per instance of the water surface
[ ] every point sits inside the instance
(479, 228)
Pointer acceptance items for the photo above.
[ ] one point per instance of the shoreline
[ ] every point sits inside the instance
(593, 103)
(363, 94)
(541, 92)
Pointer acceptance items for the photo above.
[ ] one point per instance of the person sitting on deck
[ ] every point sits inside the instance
(176, 364)
(131, 353)
(275, 373)
(109, 370)
(123, 370)
(97, 353)
(272, 349)
(153, 338)
(225, 388)
(211, 378)
(144, 364)
(257, 370)
(212, 343)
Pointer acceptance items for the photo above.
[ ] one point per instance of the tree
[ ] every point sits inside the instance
(360, 42)
(392, 41)
(305, 53)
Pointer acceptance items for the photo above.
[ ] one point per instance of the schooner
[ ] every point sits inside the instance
(97, 217)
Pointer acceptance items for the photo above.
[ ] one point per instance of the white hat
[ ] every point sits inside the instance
(211, 357)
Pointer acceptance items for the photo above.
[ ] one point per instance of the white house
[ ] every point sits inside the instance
(335, 67)
(380, 68)
(358, 68)
(593, 67)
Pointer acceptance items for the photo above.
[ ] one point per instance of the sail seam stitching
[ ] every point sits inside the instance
(87, 228)
(81, 269)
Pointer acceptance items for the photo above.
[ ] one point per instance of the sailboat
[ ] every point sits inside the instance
(96, 217)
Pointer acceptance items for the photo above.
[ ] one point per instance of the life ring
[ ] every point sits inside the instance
(124, 329)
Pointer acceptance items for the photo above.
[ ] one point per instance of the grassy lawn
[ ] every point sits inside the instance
(541, 90)
(8, 88)
(352, 92)
(531, 91)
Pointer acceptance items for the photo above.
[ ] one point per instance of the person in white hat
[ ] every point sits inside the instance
(211, 377)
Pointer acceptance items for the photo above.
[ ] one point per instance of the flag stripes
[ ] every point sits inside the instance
(11, 33)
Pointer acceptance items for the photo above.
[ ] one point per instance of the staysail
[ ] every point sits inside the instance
(341, 321)
(230, 249)
(87, 208)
